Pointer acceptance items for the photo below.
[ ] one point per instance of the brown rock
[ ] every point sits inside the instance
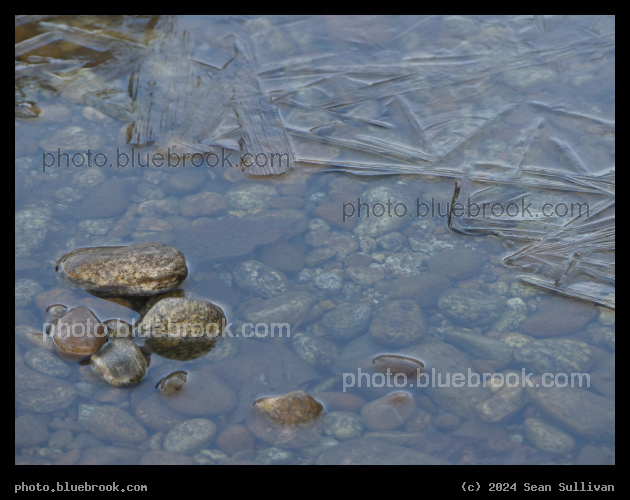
(78, 333)
(389, 412)
(559, 316)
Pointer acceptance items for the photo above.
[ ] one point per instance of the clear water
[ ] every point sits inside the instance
(406, 114)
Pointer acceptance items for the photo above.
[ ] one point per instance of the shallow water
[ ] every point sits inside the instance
(381, 125)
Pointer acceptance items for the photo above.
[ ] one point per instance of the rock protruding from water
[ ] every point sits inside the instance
(147, 268)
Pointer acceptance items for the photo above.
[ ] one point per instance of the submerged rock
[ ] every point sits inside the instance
(290, 421)
(394, 364)
(470, 308)
(582, 411)
(559, 316)
(389, 412)
(120, 363)
(181, 328)
(457, 263)
(77, 334)
(147, 268)
(399, 322)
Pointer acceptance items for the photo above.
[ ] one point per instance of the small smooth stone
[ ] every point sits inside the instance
(234, 439)
(190, 436)
(260, 279)
(290, 421)
(343, 425)
(111, 424)
(457, 263)
(395, 363)
(47, 363)
(559, 316)
(120, 363)
(78, 333)
(147, 268)
(30, 431)
(389, 412)
(399, 322)
(347, 320)
(548, 438)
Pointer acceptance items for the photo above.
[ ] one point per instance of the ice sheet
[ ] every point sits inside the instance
(517, 109)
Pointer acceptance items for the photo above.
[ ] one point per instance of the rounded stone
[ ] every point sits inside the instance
(111, 424)
(30, 431)
(25, 290)
(251, 196)
(457, 263)
(328, 281)
(147, 268)
(425, 288)
(389, 412)
(316, 351)
(78, 334)
(394, 364)
(234, 439)
(559, 316)
(202, 204)
(471, 308)
(190, 436)
(399, 322)
(154, 413)
(343, 425)
(347, 320)
(260, 279)
(181, 328)
(120, 363)
(548, 438)
(47, 363)
(555, 356)
(41, 393)
(290, 307)
(293, 420)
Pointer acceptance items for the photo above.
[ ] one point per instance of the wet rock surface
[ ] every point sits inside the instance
(457, 263)
(478, 345)
(190, 436)
(583, 412)
(559, 316)
(78, 333)
(389, 412)
(470, 308)
(143, 269)
(288, 308)
(425, 288)
(547, 437)
(260, 279)
(30, 431)
(113, 425)
(41, 393)
(347, 320)
(343, 425)
(394, 364)
(399, 322)
(555, 356)
(182, 328)
(120, 363)
(505, 403)
(289, 421)
(460, 397)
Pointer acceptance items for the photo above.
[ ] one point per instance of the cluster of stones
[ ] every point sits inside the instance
(175, 327)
